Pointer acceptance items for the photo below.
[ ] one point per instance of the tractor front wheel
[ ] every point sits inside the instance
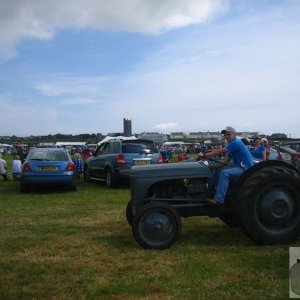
(156, 226)
(129, 215)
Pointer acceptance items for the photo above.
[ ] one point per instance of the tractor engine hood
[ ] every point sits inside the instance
(171, 170)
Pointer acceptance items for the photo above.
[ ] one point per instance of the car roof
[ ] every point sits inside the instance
(292, 143)
(128, 141)
(289, 149)
(138, 141)
(48, 149)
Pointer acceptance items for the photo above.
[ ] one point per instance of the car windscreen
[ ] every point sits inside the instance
(139, 148)
(294, 146)
(287, 149)
(48, 156)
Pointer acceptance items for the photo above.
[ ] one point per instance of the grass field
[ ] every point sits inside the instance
(78, 245)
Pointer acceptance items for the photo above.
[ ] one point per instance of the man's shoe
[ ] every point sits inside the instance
(213, 202)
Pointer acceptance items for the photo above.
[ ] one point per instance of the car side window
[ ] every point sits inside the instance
(116, 147)
(132, 148)
(106, 148)
(99, 151)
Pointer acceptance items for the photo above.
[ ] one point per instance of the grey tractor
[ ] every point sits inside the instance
(264, 201)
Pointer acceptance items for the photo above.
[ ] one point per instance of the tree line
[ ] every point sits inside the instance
(52, 138)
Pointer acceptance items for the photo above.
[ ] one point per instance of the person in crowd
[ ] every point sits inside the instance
(265, 143)
(22, 152)
(78, 162)
(165, 153)
(246, 142)
(86, 152)
(181, 157)
(259, 150)
(16, 167)
(234, 151)
(3, 168)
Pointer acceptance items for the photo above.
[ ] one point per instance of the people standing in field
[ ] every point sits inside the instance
(78, 162)
(86, 153)
(259, 150)
(3, 168)
(16, 167)
(265, 143)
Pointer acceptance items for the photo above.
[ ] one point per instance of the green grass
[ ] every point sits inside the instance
(78, 245)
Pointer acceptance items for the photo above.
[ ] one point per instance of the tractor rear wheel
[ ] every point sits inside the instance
(231, 219)
(269, 206)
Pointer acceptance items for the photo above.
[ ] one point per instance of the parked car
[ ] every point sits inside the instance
(285, 154)
(46, 145)
(293, 145)
(48, 166)
(276, 154)
(113, 159)
(294, 154)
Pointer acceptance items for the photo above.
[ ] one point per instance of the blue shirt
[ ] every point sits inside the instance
(240, 154)
(257, 153)
(164, 153)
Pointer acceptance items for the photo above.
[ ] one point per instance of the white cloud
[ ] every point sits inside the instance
(65, 84)
(40, 19)
(48, 89)
(79, 101)
(167, 126)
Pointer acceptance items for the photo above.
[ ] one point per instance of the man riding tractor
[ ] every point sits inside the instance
(263, 199)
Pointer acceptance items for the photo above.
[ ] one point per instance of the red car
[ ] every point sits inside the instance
(294, 154)
(293, 145)
(285, 154)
(276, 154)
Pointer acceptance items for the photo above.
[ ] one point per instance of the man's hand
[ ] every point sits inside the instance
(217, 165)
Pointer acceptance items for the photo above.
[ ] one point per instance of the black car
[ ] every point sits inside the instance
(113, 159)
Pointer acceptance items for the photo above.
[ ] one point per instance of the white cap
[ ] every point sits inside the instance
(228, 129)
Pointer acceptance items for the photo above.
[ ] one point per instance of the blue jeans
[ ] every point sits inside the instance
(226, 174)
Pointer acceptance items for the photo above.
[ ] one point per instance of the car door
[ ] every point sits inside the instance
(96, 162)
(105, 156)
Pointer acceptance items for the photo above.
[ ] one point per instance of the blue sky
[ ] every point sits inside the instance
(81, 66)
